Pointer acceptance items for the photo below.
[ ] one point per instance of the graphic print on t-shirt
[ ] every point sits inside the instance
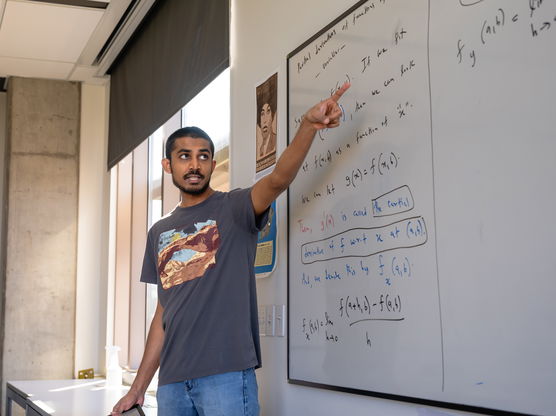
(183, 257)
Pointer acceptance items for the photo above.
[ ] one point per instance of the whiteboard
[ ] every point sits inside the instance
(421, 232)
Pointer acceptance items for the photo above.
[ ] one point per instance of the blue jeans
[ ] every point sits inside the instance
(228, 394)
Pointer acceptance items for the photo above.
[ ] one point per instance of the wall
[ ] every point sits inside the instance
(3, 212)
(93, 213)
(262, 34)
(43, 135)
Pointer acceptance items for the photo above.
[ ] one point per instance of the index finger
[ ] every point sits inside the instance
(340, 91)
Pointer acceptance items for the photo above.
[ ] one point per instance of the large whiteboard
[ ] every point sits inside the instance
(422, 238)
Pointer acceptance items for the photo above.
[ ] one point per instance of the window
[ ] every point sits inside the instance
(210, 110)
(144, 195)
(156, 151)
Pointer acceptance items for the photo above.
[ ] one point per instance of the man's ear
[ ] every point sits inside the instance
(167, 165)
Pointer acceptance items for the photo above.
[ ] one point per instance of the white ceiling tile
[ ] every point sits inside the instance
(45, 31)
(34, 69)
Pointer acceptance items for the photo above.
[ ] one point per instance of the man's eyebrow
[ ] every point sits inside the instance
(189, 150)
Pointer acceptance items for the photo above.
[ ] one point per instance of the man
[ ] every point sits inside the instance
(204, 333)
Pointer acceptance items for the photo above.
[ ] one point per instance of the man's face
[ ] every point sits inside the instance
(191, 165)
(266, 120)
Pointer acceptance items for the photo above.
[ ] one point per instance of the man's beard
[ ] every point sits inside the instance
(198, 191)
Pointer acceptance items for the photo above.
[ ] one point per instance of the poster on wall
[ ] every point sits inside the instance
(265, 260)
(266, 131)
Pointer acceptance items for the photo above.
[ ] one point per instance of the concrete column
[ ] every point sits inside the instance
(43, 138)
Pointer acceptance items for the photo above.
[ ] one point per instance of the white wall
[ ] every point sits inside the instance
(92, 233)
(3, 127)
(3, 179)
(263, 32)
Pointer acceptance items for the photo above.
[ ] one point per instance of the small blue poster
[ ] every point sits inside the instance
(265, 260)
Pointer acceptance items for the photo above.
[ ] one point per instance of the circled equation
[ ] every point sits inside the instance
(365, 242)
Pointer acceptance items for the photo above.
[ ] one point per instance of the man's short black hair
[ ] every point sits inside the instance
(193, 132)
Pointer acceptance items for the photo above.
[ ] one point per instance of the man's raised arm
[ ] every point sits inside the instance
(325, 114)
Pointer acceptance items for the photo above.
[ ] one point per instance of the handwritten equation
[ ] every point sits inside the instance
(352, 310)
(361, 124)
(319, 326)
(396, 201)
(355, 222)
(357, 309)
(538, 20)
(389, 268)
(365, 242)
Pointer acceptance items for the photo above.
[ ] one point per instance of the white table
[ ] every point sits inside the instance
(68, 397)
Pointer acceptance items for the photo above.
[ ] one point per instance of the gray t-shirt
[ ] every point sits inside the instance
(202, 259)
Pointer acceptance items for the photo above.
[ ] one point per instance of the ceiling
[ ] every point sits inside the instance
(74, 40)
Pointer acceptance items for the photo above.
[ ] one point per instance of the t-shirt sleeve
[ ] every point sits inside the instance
(149, 272)
(243, 212)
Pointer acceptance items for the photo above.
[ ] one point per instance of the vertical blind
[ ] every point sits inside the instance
(181, 46)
